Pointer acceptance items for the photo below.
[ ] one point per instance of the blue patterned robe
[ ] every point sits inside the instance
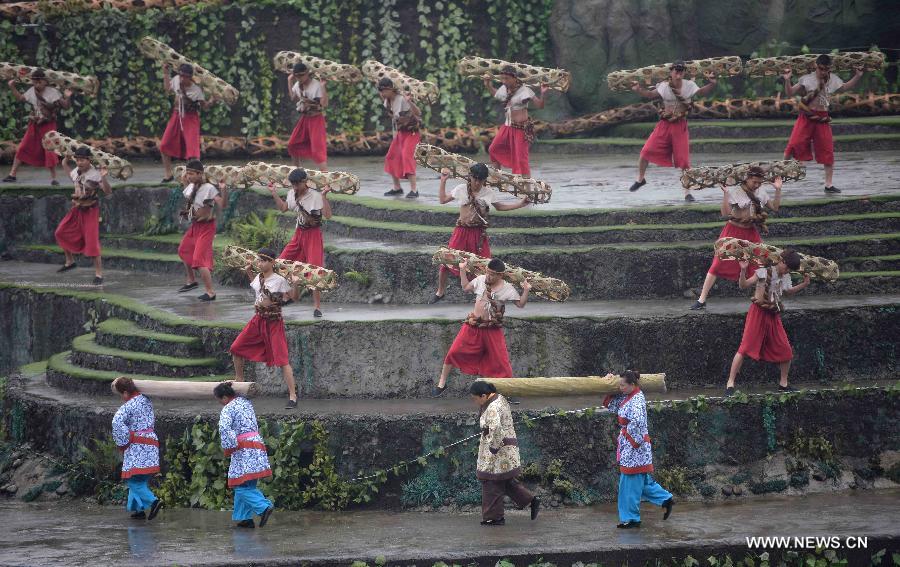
(633, 453)
(132, 429)
(242, 442)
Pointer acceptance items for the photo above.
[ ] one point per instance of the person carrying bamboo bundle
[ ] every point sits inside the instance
(181, 140)
(745, 208)
(309, 139)
(406, 120)
(196, 248)
(45, 102)
(510, 147)
(812, 130)
(475, 200)
(669, 144)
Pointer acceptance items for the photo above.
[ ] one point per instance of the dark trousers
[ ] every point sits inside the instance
(493, 491)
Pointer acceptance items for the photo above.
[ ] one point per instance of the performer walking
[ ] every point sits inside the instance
(812, 131)
(181, 140)
(480, 347)
(196, 248)
(745, 208)
(498, 464)
(79, 231)
(45, 101)
(764, 336)
(312, 207)
(249, 461)
(309, 139)
(510, 147)
(634, 453)
(669, 144)
(263, 338)
(475, 200)
(406, 119)
(132, 429)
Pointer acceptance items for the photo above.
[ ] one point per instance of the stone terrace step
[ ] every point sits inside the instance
(127, 335)
(760, 128)
(86, 352)
(890, 263)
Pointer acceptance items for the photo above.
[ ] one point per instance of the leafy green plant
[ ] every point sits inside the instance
(254, 232)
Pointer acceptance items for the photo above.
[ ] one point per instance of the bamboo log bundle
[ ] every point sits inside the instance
(265, 173)
(803, 64)
(232, 175)
(17, 10)
(215, 87)
(548, 288)
(322, 68)
(187, 390)
(729, 175)
(558, 79)
(572, 386)
(720, 66)
(424, 91)
(818, 268)
(311, 277)
(437, 159)
(87, 84)
(65, 147)
(606, 118)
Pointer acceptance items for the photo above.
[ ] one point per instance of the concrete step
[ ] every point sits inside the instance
(127, 335)
(88, 353)
(890, 263)
(745, 129)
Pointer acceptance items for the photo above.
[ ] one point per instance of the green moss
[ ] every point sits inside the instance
(114, 253)
(883, 274)
(87, 344)
(768, 486)
(33, 369)
(361, 278)
(64, 189)
(130, 329)
(59, 362)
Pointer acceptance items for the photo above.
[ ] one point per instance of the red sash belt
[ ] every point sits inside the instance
(243, 443)
(137, 438)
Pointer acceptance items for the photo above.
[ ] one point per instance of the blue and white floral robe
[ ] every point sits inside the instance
(633, 453)
(132, 429)
(242, 442)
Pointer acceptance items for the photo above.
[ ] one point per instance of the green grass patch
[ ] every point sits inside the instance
(130, 329)
(59, 362)
(87, 344)
(883, 274)
(65, 188)
(114, 253)
(34, 368)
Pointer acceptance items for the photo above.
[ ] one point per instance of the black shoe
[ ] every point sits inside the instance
(832, 189)
(637, 185)
(98, 280)
(435, 298)
(207, 297)
(139, 516)
(500, 522)
(187, 287)
(317, 313)
(66, 268)
(785, 388)
(698, 306)
(628, 525)
(154, 509)
(265, 516)
(438, 391)
(245, 524)
(291, 404)
(535, 507)
(689, 198)
(729, 391)
(393, 192)
(9, 179)
(412, 195)
(169, 179)
(667, 506)
(54, 183)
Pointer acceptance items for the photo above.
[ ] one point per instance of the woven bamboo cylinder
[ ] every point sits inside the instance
(65, 146)
(424, 91)
(311, 277)
(558, 79)
(731, 175)
(322, 68)
(213, 85)
(572, 386)
(720, 66)
(818, 268)
(187, 390)
(802, 64)
(437, 159)
(277, 174)
(232, 175)
(87, 84)
(548, 288)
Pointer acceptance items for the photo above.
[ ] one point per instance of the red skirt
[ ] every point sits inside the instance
(669, 145)
(196, 248)
(480, 351)
(31, 151)
(262, 341)
(79, 231)
(400, 160)
(306, 246)
(808, 136)
(308, 140)
(730, 269)
(181, 139)
(764, 337)
(470, 239)
(510, 149)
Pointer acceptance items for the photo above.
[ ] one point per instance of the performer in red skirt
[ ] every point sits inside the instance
(79, 231)
(480, 347)
(181, 139)
(669, 144)
(812, 131)
(475, 200)
(406, 119)
(510, 145)
(745, 208)
(311, 207)
(764, 337)
(45, 101)
(308, 140)
(196, 248)
(263, 339)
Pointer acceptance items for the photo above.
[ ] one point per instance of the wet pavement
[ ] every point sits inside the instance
(75, 533)
(236, 304)
(599, 181)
